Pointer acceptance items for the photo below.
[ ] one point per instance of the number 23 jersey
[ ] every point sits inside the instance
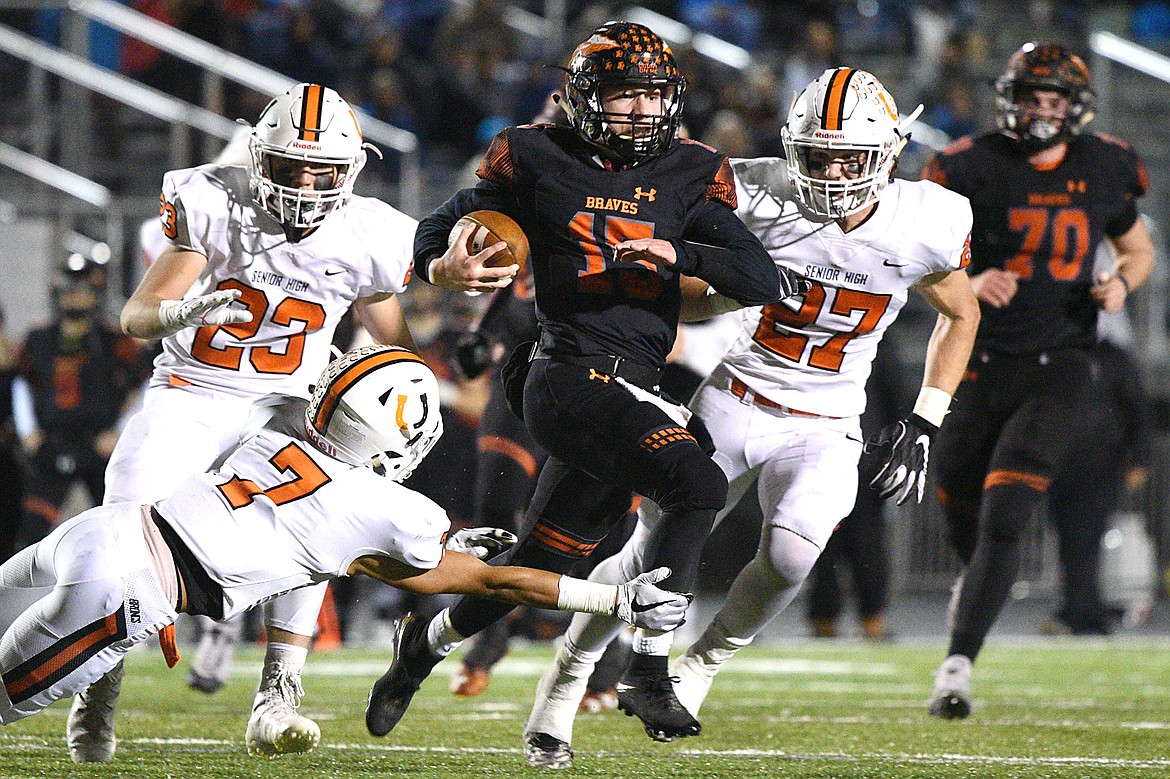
(814, 352)
(296, 292)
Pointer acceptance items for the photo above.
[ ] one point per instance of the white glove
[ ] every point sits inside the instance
(643, 605)
(482, 542)
(210, 309)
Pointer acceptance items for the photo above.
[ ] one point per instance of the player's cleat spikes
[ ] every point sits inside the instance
(275, 727)
(214, 657)
(544, 751)
(89, 730)
(470, 681)
(951, 698)
(413, 661)
(652, 700)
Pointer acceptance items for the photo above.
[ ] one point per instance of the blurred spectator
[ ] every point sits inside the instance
(1151, 24)
(11, 475)
(816, 53)
(729, 133)
(735, 21)
(80, 372)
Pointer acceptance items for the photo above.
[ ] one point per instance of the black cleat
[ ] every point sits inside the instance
(652, 700)
(390, 695)
(544, 751)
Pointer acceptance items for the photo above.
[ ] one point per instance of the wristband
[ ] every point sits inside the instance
(932, 405)
(587, 597)
(721, 304)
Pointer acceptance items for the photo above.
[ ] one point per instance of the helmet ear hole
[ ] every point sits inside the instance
(376, 406)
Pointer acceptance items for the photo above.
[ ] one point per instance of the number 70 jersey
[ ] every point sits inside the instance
(296, 292)
(814, 351)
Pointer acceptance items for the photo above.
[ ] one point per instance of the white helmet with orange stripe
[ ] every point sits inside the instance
(376, 406)
(309, 125)
(845, 117)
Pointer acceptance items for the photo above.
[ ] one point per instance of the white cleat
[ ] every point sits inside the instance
(951, 698)
(214, 656)
(275, 727)
(692, 681)
(89, 731)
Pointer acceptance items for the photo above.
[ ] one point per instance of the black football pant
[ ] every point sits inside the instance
(604, 446)
(1012, 423)
(53, 470)
(506, 467)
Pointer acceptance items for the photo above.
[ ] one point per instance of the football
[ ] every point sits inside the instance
(492, 227)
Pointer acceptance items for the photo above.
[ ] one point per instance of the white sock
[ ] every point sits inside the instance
(653, 642)
(442, 638)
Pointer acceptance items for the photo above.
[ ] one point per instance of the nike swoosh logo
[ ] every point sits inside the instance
(333, 272)
(640, 607)
(889, 264)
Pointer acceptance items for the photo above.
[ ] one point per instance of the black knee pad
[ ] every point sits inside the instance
(696, 483)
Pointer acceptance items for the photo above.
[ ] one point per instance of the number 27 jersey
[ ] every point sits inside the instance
(814, 352)
(296, 292)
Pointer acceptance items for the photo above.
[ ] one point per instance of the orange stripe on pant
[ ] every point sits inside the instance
(1001, 477)
(511, 450)
(561, 542)
(50, 665)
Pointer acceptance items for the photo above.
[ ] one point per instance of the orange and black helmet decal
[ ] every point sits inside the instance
(312, 108)
(345, 379)
(833, 109)
(625, 50)
(1048, 64)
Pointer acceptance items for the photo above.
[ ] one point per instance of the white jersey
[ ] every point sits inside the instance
(296, 292)
(814, 352)
(279, 514)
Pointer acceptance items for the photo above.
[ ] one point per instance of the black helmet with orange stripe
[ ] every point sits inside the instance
(309, 125)
(624, 54)
(847, 114)
(376, 406)
(1043, 66)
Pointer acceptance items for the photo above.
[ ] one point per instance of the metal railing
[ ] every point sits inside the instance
(219, 65)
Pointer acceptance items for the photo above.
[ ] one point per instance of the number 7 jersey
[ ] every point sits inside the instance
(296, 292)
(814, 352)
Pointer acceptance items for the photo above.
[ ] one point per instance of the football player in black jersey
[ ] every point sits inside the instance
(1043, 194)
(615, 208)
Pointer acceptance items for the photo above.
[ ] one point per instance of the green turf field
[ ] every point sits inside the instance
(1046, 709)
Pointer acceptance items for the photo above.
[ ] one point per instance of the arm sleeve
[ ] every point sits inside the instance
(430, 239)
(719, 249)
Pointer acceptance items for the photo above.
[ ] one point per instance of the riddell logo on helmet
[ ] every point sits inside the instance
(304, 145)
(835, 135)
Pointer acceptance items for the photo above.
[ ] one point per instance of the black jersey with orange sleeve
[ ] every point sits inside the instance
(574, 210)
(1045, 225)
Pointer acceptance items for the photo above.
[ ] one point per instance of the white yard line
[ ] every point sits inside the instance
(901, 757)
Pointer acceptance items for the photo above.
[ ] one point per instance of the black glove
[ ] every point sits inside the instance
(473, 354)
(903, 449)
(792, 283)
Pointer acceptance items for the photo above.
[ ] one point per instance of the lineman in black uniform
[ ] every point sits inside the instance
(80, 371)
(1043, 196)
(615, 208)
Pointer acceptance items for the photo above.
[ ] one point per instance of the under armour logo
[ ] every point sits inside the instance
(593, 374)
(639, 194)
